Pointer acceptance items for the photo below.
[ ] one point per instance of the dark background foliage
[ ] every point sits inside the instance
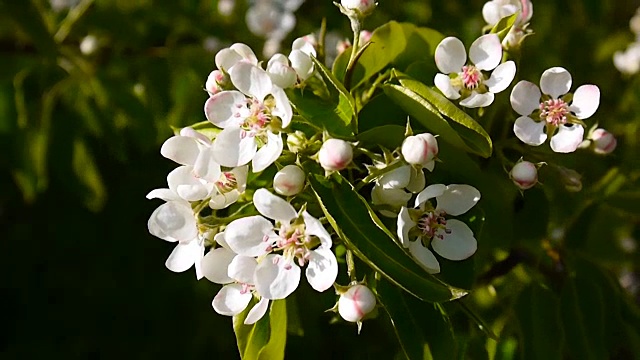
(79, 150)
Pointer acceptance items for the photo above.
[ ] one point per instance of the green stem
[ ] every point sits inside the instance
(351, 267)
(74, 15)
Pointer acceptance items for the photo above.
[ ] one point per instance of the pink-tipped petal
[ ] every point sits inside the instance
(586, 100)
(231, 300)
(567, 138)
(530, 132)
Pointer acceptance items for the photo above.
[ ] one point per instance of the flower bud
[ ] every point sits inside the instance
(289, 180)
(361, 7)
(356, 303)
(215, 82)
(335, 154)
(571, 179)
(603, 141)
(524, 174)
(420, 149)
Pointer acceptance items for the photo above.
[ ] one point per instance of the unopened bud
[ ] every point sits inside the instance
(571, 179)
(420, 149)
(603, 141)
(360, 7)
(216, 82)
(289, 180)
(356, 303)
(524, 174)
(335, 154)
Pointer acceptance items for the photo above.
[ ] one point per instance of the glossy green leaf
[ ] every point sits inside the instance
(472, 132)
(363, 233)
(388, 136)
(423, 329)
(266, 338)
(503, 26)
(581, 309)
(540, 328)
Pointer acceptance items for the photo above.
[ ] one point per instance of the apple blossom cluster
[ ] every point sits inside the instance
(628, 61)
(495, 10)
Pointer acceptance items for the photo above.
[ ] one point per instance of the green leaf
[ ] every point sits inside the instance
(540, 328)
(472, 132)
(581, 309)
(86, 170)
(363, 233)
(266, 338)
(503, 26)
(423, 329)
(26, 17)
(389, 136)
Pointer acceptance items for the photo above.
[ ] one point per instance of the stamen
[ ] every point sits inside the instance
(554, 111)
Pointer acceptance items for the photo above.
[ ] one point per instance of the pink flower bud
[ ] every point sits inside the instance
(215, 82)
(604, 142)
(524, 174)
(335, 154)
(356, 302)
(363, 7)
(420, 149)
(289, 180)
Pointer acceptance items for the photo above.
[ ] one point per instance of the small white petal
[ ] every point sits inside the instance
(476, 100)
(276, 278)
(222, 201)
(242, 268)
(457, 199)
(183, 256)
(314, 227)
(396, 179)
(418, 181)
(273, 207)
(405, 224)
(251, 80)
(394, 197)
(567, 138)
(450, 55)
(302, 64)
(226, 109)
(215, 264)
(443, 83)
(586, 100)
(525, 97)
(231, 300)
(226, 58)
(183, 181)
(322, 269)
(486, 52)
(555, 82)
(174, 221)
(281, 73)
(257, 312)
(231, 149)
(429, 192)
(424, 257)
(501, 77)
(245, 53)
(163, 194)
(283, 108)
(530, 132)
(246, 236)
(181, 149)
(458, 244)
(268, 153)
(205, 166)
(303, 44)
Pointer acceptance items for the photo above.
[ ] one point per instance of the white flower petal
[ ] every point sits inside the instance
(450, 55)
(302, 64)
(251, 80)
(424, 257)
(314, 227)
(231, 300)
(405, 224)
(273, 207)
(245, 53)
(173, 221)
(163, 194)
(501, 77)
(215, 264)
(283, 108)
(443, 83)
(394, 197)
(276, 278)
(205, 166)
(555, 82)
(486, 52)
(525, 97)
(222, 201)
(396, 179)
(257, 312)
(476, 100)
(322, 269)
(246, 236)
(226, 108)
(586, 100)
(418, 181)
(457, 199)
(281, 73)
(242, 268)
(458, 244)
(232, 149)
(567, 138)
(268, 153)
(429, 192)
(184, 255)
(181, 149)
(530, 132)
(305, 45)
(226, 58)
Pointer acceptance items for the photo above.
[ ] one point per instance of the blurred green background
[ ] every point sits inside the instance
(80, 134)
